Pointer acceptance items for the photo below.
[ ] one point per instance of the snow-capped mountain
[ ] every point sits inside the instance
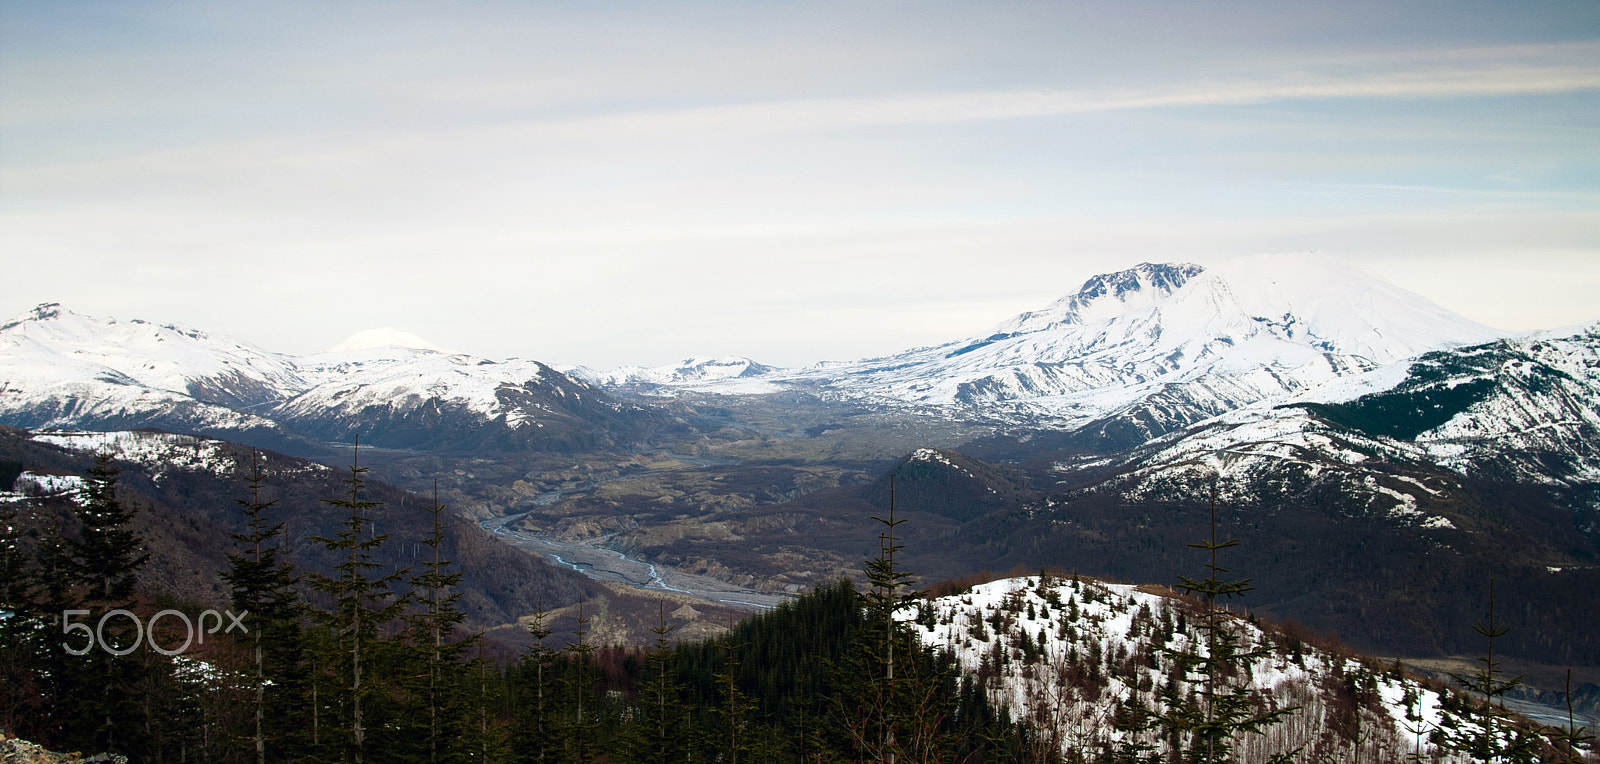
(59, 369)
(400, 396)
(1140, 352)
(52, 345)
(386, 336)
(689, 371)
(62, 370)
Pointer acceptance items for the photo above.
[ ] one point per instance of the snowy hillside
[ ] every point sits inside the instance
(156, 452)
(1090, 663)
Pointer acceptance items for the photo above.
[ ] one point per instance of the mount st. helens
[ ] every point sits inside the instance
(1143, 351)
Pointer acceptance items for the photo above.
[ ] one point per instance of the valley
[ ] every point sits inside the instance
(603, 564)
(1378, 465)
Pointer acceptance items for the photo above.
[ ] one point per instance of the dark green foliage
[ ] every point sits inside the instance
(1404, 414)
(102, 566)
(801, 666)
(533, 681)
(580, 727)
(660, 736)
(106, 553)
(9, 471)
(19, 691)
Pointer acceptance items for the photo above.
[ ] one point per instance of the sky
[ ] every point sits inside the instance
(614, 184)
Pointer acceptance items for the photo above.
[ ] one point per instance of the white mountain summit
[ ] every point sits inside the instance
(384, 337)
(1167, 344)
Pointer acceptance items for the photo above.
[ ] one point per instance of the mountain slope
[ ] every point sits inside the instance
(1523, 409)
(59, 369)
(185, 490)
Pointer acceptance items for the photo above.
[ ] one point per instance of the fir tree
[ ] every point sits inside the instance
(896, 699)
(737, 706)
(105, 559)
(432, 630)
(262, 587)
(483, 736)
(1570, 741)
(1204, 727)
(580, 731)
(19, 677)
(1494, 737)
(359, 605)
(536, 735)
(107, 553)
(659, 735)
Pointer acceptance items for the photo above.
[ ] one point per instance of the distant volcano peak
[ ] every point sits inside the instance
(384, 337)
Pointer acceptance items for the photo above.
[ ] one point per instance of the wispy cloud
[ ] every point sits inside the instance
(844, 113)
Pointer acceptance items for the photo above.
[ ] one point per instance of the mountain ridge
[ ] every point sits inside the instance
(68, 371)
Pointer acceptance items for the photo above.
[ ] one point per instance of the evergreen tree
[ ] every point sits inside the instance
(262, 585)
(431, 631)
(483, 736)
(659, 734)
(105, 559)
(581, 727)
(736, 706)
(536, 734)
(19, 677)
(359, 604)
(896, 700)
(1570, 741)
(107, 553)
(1204, 726)
(1494, 736)
(55, 668)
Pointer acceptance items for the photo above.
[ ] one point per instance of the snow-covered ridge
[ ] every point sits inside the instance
(156, 451)
(62, 370)
(30, 484)
(1072, 655)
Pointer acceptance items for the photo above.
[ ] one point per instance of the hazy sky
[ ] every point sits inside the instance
(631, 183)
